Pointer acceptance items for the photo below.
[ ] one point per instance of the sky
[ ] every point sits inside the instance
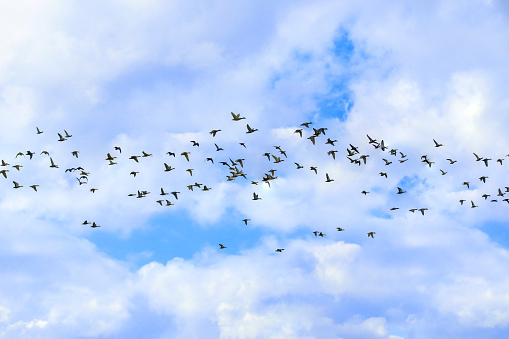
(152, 76)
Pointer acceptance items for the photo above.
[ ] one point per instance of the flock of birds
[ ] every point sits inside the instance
(235, 168)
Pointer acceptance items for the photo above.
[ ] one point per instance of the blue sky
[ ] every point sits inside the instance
(151, 76)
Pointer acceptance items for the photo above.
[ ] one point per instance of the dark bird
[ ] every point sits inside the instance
(250, 130)
(67, 135)
(94, 225)
(109, 157)
(436, 143)
(4, 172)
(34, 187)
(333, 153)
(175, 194)
(246, 220)
(473, 205)
(52, 163)
(394, 208)
(214, 131)
(299, 166)
(451, 161)
(218, 148)
(327, 179)
(313, 168)
(340, 229)
(422, 210)
(477, 158)
(485, 196)
(299, 131)
(255, 197)
(163, 192)
(145, 154)
(462, 201)
(186, 154)
(242, 144)
(210, 159)
(61, 138)
(364, 192)
(75, 153)
(387, 162)
(39, 131)
(486, 161)
(400, 191)
(483, 179)
(20, 154)
(371, 234)
(221, 246)
(195, 143)
(170, 154)
(280, 250)
(466, 183)
(312, 138)
(306, 124)
(500, 161)
(371, 141)
(16, 185)
(133, 173)
(133, 157)
(383, 174)
(30, 154)
(236, 117)
(443, 173)
(85, 222)
(117, 148)
(17, 166)
(93, 190)
(330, 142)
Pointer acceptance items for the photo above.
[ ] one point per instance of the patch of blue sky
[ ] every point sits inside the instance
(178, 235)
(338, 101)
(497, 231)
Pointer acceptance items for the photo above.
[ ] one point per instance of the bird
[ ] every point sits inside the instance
(400, 191)
(394, 208)
(17, 166)
(160, 202)
(327, 178)
(256, 197)
(500, 194)
(330, 142)
(221, 246)
(175, 194)
(340, 229)
(4, 163)
(75, 153)
(45, 152)
(67, 135)
(477, 158)
(312, 138)
(363, 157)
(133, 157)
(486, 161)
(163, 192)
(298, 131)
(30, 154)
(93, 190)
(333, 153)
(242, 144)
(298, 166)
(466, 183)
(190, 170)
(436, 143)
(117, 148)
(218, 148)
(364, 192)
(168, 168)
(133, 173)
(94, 225)
(186, 154)
(4, 172)
(422, 210)
(38, 130)
(236, 117)
(52, 163)
(61, 138)
(473, 205)
(451, 161)
(246, 220)
(16, 185)
(383, 174)
(112, 163)
(210, 159)
(443, 173)
(20, 153)
(313, 168)
(280, 250)
(485, 196)
(483, 179)
(387, 162)
(86, 222)
(500, 161)
(144, 154)
(371, 234)
(34, 187)
(195, 143)
(214, 131)
(169, 203)
(110, 157)
(371, 141)
(306, 124)
(250, 130)
(170, 154)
